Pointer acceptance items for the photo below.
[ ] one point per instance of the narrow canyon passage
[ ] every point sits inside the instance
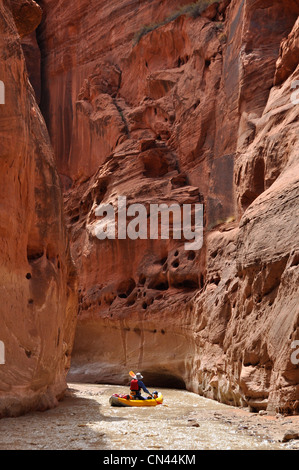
(172, 105)
(85, 420)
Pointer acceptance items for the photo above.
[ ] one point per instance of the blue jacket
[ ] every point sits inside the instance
(143, 387)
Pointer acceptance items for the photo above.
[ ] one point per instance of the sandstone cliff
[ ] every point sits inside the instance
(38, 283)
(163, 107)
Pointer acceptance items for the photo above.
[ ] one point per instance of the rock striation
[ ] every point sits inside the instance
(160, 105)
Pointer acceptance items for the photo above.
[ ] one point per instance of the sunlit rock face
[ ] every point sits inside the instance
(195, 110)
(38, 283)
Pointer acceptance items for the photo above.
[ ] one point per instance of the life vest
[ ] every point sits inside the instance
(134, 385)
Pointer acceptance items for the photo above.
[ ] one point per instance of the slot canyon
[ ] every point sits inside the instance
(161, 103)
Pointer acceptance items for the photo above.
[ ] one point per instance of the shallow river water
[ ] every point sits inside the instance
(85, 420)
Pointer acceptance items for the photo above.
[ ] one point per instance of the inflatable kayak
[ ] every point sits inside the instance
(125, 400)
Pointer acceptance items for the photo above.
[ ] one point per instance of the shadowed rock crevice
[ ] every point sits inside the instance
(163, 379)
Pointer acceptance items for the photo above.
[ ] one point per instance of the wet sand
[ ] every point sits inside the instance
(85, 420)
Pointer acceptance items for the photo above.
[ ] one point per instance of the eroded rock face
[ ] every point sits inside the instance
(27, 15)
(38, 282)
(183, 115)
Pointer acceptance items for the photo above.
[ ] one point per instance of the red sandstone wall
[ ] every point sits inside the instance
(38, 283)
(198, 110)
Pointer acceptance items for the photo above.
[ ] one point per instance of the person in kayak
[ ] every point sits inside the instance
(136, 386)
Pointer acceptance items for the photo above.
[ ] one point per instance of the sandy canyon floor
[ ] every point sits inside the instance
(85, 420)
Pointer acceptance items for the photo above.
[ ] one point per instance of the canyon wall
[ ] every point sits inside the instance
(38, 280)
(190, 108)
